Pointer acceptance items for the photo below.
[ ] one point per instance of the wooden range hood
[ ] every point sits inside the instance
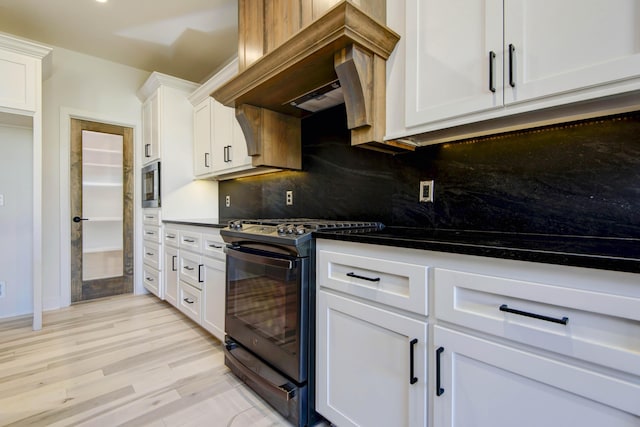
(345, 45)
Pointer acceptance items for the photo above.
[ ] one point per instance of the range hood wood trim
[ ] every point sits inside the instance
(274, 79)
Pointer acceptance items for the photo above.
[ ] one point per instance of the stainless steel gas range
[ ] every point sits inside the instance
(270, 309)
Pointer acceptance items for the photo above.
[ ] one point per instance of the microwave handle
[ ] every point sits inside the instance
(260, 259)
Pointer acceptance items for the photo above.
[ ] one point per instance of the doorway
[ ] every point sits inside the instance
(101, 198)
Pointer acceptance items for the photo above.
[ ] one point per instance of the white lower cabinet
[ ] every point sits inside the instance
(371, 364)
(152, 252)
(171, 275)
(195, 274)
(511, 343)
(190, 301)
(485, 383)
(214, 294)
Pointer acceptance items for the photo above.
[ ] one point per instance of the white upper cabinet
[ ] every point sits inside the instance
(151, 129)
(448, 47)
(18, 81)
(468, 61)
(203, 123)
(220, 149)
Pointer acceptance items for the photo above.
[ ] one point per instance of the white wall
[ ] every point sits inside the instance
(88, 87)
(16, 234)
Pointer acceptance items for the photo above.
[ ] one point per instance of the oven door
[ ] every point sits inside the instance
(266, 308)
(151, 186)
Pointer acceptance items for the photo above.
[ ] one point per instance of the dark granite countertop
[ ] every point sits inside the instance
(201, 222)
(621, 254)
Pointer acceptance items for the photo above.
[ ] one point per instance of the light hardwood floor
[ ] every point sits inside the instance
(127, 360)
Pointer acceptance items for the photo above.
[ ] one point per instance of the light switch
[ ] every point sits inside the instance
(1, 199)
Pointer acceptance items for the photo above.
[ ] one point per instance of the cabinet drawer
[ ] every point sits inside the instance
(393, 283)
(152, 233)
(171, 237)
(151, 254)
(191, 241)
(213, 246)
(190, 301)
(601, 328)
(191, 269)
(151, 217)
(151, 280)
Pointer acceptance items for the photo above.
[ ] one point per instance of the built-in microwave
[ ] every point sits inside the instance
(151, 185)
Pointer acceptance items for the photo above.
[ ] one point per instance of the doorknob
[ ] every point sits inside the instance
(78, 219)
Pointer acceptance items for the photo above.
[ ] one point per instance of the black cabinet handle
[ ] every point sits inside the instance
(146, 150)
(200, 273)
(188, 300)
(492, 60)
(150, 279)
(173, 263)
(512, 54)
(189, 240)
(149, 253)
(206, 160)
(215, 246)
(186, 267)
(562, 321)
(439, 389)
(412, 378)
(78, 219)
(370, 279)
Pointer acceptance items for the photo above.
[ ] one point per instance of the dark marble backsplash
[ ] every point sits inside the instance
(581, 178)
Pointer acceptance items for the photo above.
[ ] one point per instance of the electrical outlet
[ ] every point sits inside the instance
(289, 197)
(2, 286)
(227, 201)
(426, 191)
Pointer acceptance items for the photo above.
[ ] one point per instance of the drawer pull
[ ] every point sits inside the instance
(200, 273)
(215, 246)
(171, 236)
(150, 279)
(439, 389)
(512, 54)
(370, 279)
(562, 321)
(188, 300)
(149, 253)
(150, 233)
(189, 240)
(412, 378)
(186, 267)
(492, 82)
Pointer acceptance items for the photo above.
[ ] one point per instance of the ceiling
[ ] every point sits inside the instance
(189, 39)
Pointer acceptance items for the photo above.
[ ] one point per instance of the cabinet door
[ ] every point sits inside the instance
(151, 129)
(363, 365)
(203, 134)
(448, 49)
(171, 275)
(483, 383)
(214, 295)
(17, 81)
(222, 136)
(570, 45)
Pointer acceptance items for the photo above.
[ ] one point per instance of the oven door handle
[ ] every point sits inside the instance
(260, 259)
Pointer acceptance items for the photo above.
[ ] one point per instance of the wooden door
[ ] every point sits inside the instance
(101, 261)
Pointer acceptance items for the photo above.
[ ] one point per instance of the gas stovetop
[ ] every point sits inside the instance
(286, 231)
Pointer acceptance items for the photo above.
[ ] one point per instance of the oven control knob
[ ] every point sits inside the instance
(290, 229)
(300, 229)
(281, 229)
(235, 225)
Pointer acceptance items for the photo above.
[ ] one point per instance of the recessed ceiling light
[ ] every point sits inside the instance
(102, 1)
